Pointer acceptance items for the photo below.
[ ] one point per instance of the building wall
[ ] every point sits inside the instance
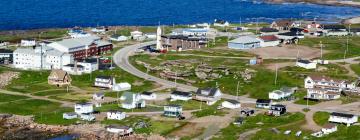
(243, 46)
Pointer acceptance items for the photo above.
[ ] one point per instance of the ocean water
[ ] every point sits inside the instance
(31, 14)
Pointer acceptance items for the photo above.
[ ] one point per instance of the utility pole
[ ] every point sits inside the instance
(237, 91)
(321, 50)
(276, 73)
(175, 78)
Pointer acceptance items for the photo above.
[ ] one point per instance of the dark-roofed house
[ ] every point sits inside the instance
(354, 31)
(306, 64)
(231, 104)
(59, 78)
(104, 82)
(290, 37)
(209, 95)
(148, 95)
(343, 118)
(277, 110)
(268, 31)
(172, 110)
(269, 40)
(181, 42)
(284, 24)
(6, 56)
(179, 95)
(263, 103)
(335, 30)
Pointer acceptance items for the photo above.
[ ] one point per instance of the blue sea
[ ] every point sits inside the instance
(32, 14)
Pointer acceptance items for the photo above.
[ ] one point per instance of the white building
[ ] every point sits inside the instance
(343, 118)
(159, 45)
(178, 95)
(137, 35)
(132, 100)
(209, 95)
(221, 23)
(283, 93)
(79, 35)
(84, 108)
(115, 115)
(104, 82)
(87, 117)
(148, 95)
(78, 68)
(119, 38)
(121, 87)
(231, 104)
(329, 128)
(100, 30)
(122, 130)
(306, 64)
(40, 58)
(269, 41)
(330, 84)
(322, 94)
(28, 42)
(69, 116)
(172, 110)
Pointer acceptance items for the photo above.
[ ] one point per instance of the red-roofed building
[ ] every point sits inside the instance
(269, 40)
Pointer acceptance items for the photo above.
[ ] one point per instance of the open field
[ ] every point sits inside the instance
(16, 36)
(288, 51)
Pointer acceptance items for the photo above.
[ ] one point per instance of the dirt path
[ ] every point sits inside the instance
(247, 134)
(348, 68)
(64, 103)
(310, 123)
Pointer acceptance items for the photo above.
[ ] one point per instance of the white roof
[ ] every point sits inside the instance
(24, 50)
(245, 40)
(77, 42)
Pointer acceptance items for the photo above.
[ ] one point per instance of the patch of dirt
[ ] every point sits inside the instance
(288, 51)
(272, 66)
(7, 77)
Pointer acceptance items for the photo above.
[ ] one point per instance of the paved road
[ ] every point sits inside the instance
(121, 59)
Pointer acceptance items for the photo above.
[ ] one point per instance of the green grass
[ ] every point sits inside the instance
(46, 34)
(87, 80)
(10, 98)
(158, 127)
(28, 107)
(344, 133)
(55, 117)
(321, 118)
(335, 46)
(300, 98)
(355, 68)
(209, 110)
(232, 131)
(51, 92)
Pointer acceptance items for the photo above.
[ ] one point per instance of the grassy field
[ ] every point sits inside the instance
(356, 68)
(232, 132)
(335, 46)
(210, 110)
(34, 34)
(300, 98)
(10, 98)
(321, 118)
(158, 127)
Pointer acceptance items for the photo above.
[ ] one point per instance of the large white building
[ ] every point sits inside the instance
(40, 58)
(84, 108)
(343, 118)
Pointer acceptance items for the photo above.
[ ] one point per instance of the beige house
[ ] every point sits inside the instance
(59, 78)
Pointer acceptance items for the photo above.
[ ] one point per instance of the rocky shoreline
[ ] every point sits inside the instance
(24, 128)
(320, 2)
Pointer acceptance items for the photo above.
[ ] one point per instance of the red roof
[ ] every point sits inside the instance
(269, 38)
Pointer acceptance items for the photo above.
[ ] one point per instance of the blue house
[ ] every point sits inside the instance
(244, 42)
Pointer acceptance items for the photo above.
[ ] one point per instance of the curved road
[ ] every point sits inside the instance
(121, 59)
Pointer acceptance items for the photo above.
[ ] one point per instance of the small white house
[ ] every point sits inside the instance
(263, 103)
(172, 110)
(322, 94)
(98, 96)
(82, 108)
(121, 87)
(343, 118)
(306, 64)
(208, 95)
(283, 93)
(269, 41)
(115, 115)
(69, 116)
(28, 42)
(179, 95)
(104, 82)
(329, 128)
(132, 100)
(231, 104)
(122, 130)
(148, 95)
(119, 38)
(87, 117)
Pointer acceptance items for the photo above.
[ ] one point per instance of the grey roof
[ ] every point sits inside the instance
(233, 101)
(70, 113)
(206, 91)
(245, 40)
(25, 50)
(180, 93)
(287, 89)
(77, 42)
(54, 53)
